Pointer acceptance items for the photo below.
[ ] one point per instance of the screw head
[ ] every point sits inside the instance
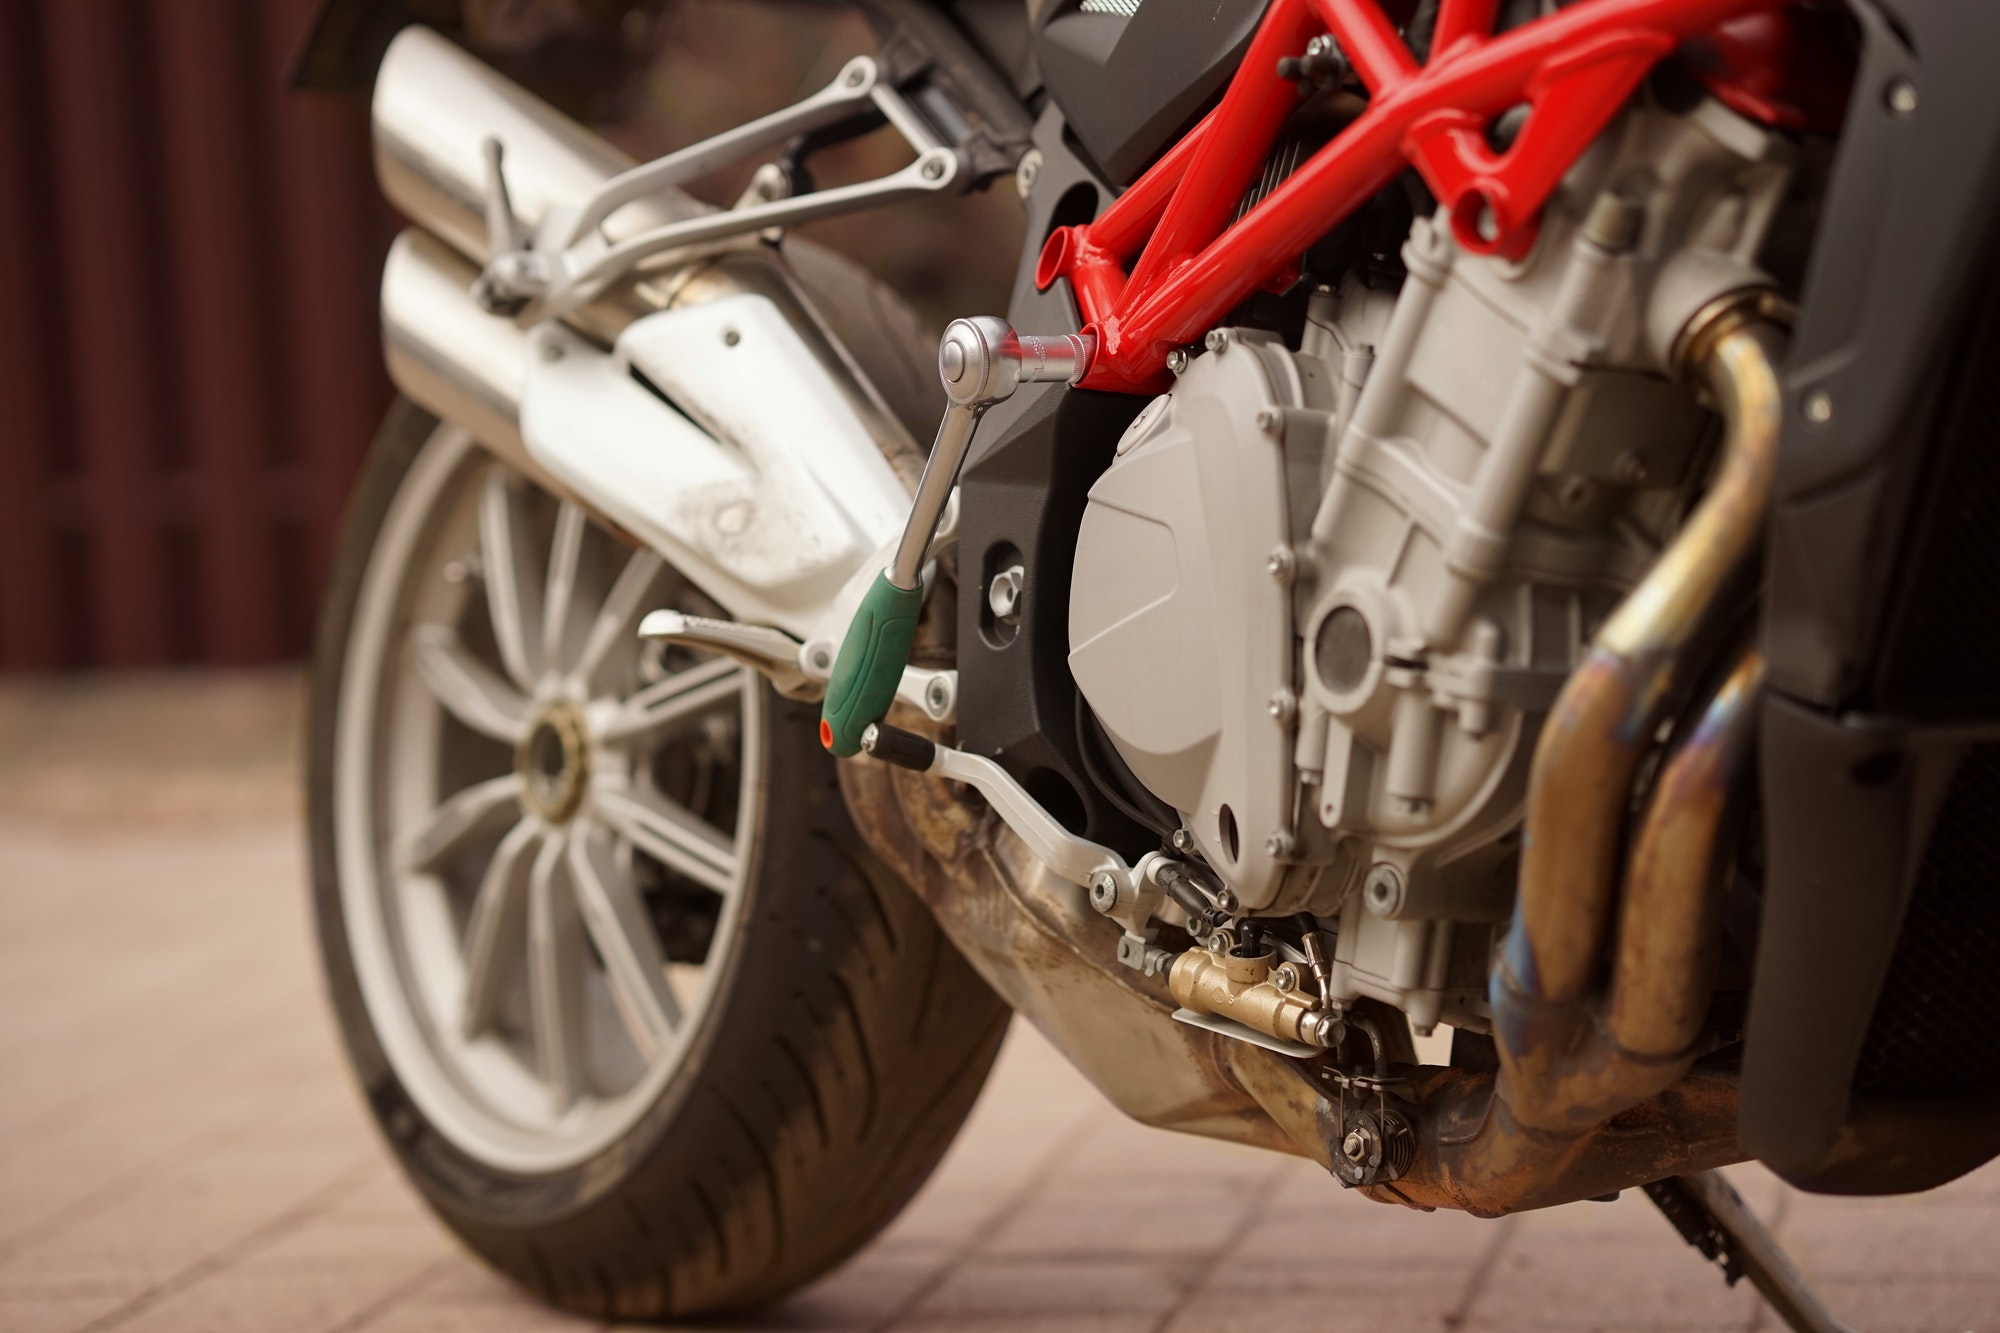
(730, 337)
(1355, 1146)
(552, 351)
(1270, 422)
(937, 694)
(1226, 899)
(1818, 407)
(1177, 360)
(1900, 97)
(1003, 594)
(1282, 563)
(1216, 340)
(1103, 891)
(1025, 174)
(856, 76)
(1183, 840)
(1284, 705)
(1280, 845)
(1383, 892)
(1285, 977)
(933, 169)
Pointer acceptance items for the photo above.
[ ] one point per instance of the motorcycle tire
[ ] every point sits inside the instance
(835, 1039)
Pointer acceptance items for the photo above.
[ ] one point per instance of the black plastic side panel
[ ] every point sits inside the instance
(1899, 265)
(1898, 329)
(1130, 86)
(1021, 496)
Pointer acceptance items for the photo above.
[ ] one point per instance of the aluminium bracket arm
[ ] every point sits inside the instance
(571, 258)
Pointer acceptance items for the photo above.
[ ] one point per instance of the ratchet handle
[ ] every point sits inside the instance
(870, 664)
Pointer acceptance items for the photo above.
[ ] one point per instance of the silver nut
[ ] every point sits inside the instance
(1355, 1146)
(1285, 977)
(1271, 422)
(1177, 360)
(1280, 845)
(1025, 173)
(1284, 705)
(1183, 840)
(1282, 563)
(1818, 407)
(1383, 892)
(1216, 341)
(1003, 594)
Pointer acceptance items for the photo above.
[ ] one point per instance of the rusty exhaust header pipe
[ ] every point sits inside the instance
(1571, 1061)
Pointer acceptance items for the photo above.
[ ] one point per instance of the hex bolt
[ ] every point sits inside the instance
(1900, 97)
(1282, 563)
(1355, 1146)
(1003, 594)
(1271, 422)
(1027, 171)
(1818, 407)
(933, 169)
(1177, 360)
(1216, 341)
(1280, 845)
(1226, 900)
(1285, 977)
(1183, 840)
(1383, 893)
(937, 696)
(1284, 705)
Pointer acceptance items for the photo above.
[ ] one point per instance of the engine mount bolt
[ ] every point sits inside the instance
(1383, 893)
(1900, 97)
(1183, 840)
(1271, 422)
(1284, 705)
(1818, 407)
(1279, 845)
(1103, 891)
(1177, 360)
(1282, 563)
(1216, 341)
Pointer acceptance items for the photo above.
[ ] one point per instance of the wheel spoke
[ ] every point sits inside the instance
(680, 696)
(555, 975)
(564, 553)
(471, 691)
(621, 607)
(513, 594)
(619, 926)
(671, 834)
(474, 810)
(495, 925)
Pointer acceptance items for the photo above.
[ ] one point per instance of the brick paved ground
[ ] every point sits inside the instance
(180, 1148)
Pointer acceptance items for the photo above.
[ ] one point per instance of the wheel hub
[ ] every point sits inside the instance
(553, 761)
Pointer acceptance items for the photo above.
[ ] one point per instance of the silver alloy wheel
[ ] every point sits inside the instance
(542, 832)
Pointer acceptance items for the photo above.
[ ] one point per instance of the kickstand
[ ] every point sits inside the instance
(1711, 1216)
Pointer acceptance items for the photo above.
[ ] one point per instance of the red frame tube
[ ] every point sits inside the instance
(1188, 266)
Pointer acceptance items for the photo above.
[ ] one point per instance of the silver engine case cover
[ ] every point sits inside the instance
(1175, 616)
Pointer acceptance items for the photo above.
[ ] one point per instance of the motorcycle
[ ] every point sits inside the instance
(1472, 523)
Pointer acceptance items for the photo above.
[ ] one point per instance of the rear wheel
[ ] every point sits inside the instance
(638, 1012)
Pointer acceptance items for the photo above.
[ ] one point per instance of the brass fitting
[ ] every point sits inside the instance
(1244, 989)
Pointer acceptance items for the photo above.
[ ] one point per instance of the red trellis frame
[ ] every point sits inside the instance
(1188, 268)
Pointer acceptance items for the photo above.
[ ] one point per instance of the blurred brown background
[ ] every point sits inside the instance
(189, 253)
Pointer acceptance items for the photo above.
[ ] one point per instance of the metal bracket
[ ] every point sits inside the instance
(570, 259)
(793, 669)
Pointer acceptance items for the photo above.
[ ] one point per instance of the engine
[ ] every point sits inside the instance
(1323, 598)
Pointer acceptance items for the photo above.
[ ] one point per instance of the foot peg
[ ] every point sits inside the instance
(981, 362)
